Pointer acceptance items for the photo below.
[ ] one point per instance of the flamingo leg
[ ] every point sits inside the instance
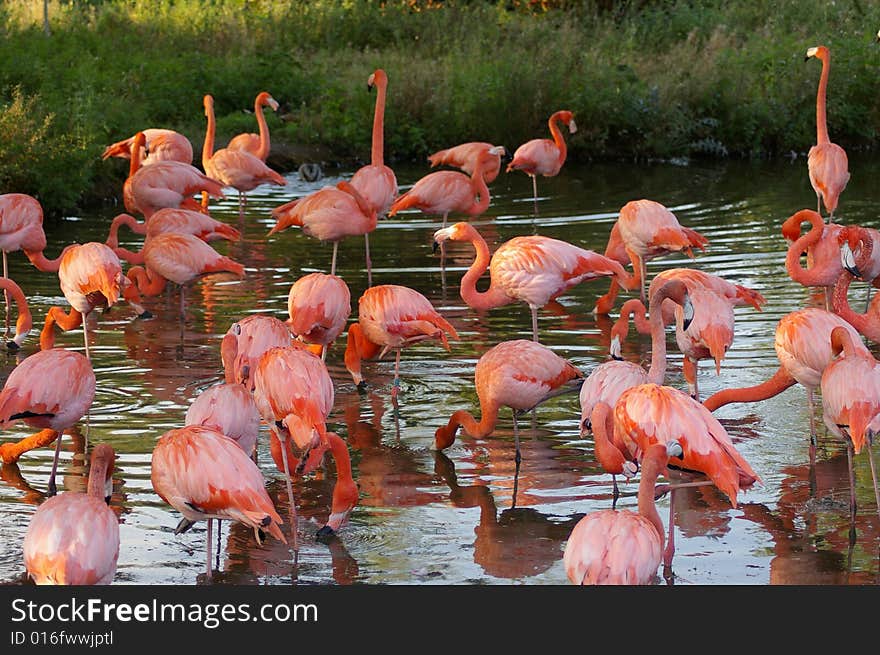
(6, 295)
(517, 458)
(293, 526)
(534, 324)
(535, 191)
(333, 261)
(52, 489)
(874, 477)
(208, 551)
(369, 263)
(867, 300)
(812, 405)
(395, 387)
(217, 564)
(643, 274)
(615, 491)
(85, 324)
(670, 540)
(852, 481)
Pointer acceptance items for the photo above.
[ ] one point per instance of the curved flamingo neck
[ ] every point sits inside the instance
(868, 323)
(657, 371)
(25, 321)
(478, 182)
(553, 122)
(265, 143)
(349, 188)
(124, 219)
(778, 382)
(608, 455)
(634, 308)
(144, 281)
(100, 471)
(493, 296)
(802, 244)
(377, 155)
(821, 124)
(38, 259)
(208, 145)
(842, 342)
(653, 464)
(137, 153)
(129, 256)
(462, 418)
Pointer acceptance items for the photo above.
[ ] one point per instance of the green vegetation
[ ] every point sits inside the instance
(646, 79)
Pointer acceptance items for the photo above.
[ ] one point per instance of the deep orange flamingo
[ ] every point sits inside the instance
(73, 538)
(519, 374)
(161, 145)
(826, 162)
(238, 169)
(259, 145)
(33, 395)
(24, 323)
(868, 324)
(329, 214)
(294, 394)
(850, 388)
(619, 546)
(180, 258)
(531, 269)
(319, 306)
(647, 230)
(544, 156)
(230, 409)
(91, 278)
(170, 219)
(465, 156)
(376, 182)
(822, 247)
(446, 192)
(204, 475)
(803, 347)
(392, 317)
(165, 183)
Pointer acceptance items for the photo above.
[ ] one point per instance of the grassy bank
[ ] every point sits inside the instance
(649, 79)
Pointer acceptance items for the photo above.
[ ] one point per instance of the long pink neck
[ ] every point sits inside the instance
(801, 275)
(25, 321)
(124, 219)
(778, 382)
(867, 324)
(100, 470)
(463, 418)
(653, 463)
(478, 182)
(657, 372)
(821, 124)
(377, 155)
(208, 146)
(39, 260)
(607, 454)
(265, 143)
(557, 137)
(493, 296)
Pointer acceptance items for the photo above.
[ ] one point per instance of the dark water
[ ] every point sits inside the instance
(426, 517)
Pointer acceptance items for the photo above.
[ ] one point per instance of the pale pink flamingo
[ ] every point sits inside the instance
(859, 256)
(392, 317)
(803, 347)
(91, 278)
(260, 144)
(619, 546)
(544, 156)
(376, 182)
(24, 323)
(166, 183)
(238, 169)
(850, 387)
(519, 374)
(319, 306)
(648, 230)
(33, 395)
(73, 538)
(171, 219)
(465, 156)
(230, 409)
(868, 324)
(826, 162)
(244, 344)
(446, 192)
(531, 269)
(294, 394)
(330, 214)
(161, 145)
(204, 474)
(822, 247)
(180, 258)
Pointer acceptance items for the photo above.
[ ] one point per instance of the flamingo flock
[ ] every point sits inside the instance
(274, 372)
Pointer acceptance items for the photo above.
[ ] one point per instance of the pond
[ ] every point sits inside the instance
(450, 517)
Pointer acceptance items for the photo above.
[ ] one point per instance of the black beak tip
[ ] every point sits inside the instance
(806, 58)
(325, 534)
(852, 270)
(362, 386)
(12, 347)
(146, 314)
(617, 358)
(435, 247)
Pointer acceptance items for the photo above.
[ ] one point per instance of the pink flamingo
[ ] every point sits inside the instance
(161, 145)
(614, 546)
(445, 192)
(531, 269)
(238, 169)
(24, 323)
(230, 409)
(544, 156)
(858, 255)
(204, 474)
(31, 394)
(803, 347)
(330, 214)
(850, 388)
(392, 317)
(376, 182)
(519, 374)
(165, 183)
(465, 156)
(319, 306)
(822, 246)
(73, 538)
(826, 162)
(170, 219)
(258, 145)
(294, 394)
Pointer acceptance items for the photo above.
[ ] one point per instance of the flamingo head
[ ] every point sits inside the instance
(376, 77)
(456, 232)
(856, 248)
(567, 117)
(819, 52)
(791, 228)
(265, 99)
(718, 338)
(614, 349)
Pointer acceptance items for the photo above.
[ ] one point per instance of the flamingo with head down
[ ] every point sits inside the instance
(319, 306)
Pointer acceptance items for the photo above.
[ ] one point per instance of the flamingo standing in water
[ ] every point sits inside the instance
(34, 393)
(258, 145)
(803, 347)
(170, 219)
(294, 394)
(531, 269)
(392, 317)
(230, 409)
(73, 538)
(614, 546)
(165, 183)
(466, 155)
(544, 156)
(238, 169)
(161, 145)
(319, 306)
(204, 474)
(91, 278)
(329, 214)
(519, 374)
(822, 247)
(244, 344)
(850, 388)
(826, 162)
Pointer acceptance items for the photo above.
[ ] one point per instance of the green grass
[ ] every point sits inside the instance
(646, 79)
